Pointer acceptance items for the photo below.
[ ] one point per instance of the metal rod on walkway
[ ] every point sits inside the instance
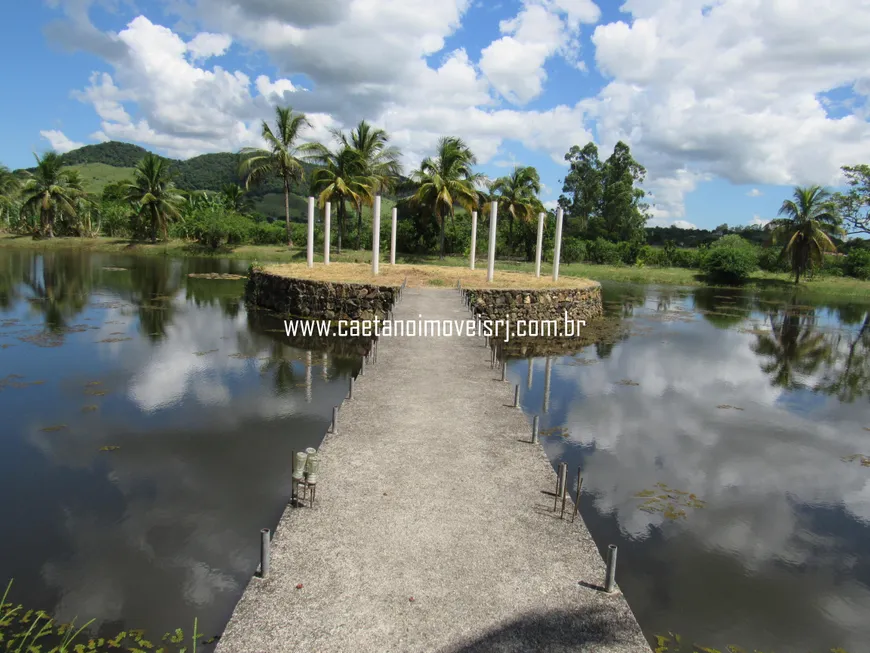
(265, 538)
(579, 490)
(516, 396)
(350, 389)
(335, 419)
(610, 582)
(503, 371)
(560, 483)
(535, 422)
(564, 492)
(362, 369)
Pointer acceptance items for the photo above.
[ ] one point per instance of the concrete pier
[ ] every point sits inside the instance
(434, 527)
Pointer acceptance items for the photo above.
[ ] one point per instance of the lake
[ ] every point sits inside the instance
(205, 403)
(743, 411)
(148, 421)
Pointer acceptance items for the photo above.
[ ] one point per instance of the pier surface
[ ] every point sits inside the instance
(434, 527)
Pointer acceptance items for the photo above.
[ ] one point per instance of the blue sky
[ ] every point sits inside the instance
(728, 104)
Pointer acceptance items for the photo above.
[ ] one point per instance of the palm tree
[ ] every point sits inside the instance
(381, 162)
(50, 192)
(517, 194)
(793, 348)
(447, 180)
(282, 156)
(9, 187)
(340, 178)
(811, 219)
(153, 193)
(234, 198)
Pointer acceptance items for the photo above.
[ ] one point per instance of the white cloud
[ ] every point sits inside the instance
(551, 205)
(682, 224)
(757, 221)
(755, 193)
(60, 143)
(207, 45)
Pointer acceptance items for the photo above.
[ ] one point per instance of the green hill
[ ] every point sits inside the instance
(113, 153)
(96, 176)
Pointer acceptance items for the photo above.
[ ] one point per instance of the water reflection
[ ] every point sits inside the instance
(748, 402)
(200, 406)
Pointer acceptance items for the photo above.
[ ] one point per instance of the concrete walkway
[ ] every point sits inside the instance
(432, 491)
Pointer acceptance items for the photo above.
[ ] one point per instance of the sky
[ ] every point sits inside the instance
(728, 104)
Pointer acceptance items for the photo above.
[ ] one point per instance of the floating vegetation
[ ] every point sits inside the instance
(115, 304)
(627, 382)
(6, 346)
(110, 447)
(89, 409)
(110, 269)
(867, 428)
(581, 361)
(11, 381)
(726, 406)
(669, 502)
(114, 339)
(96, 393)
(204, 353)
(43, 339)
(864, 460)
(243, 356)
(755, 332)
(91, 384)
(216, 275)
(52, 429)
(561, 431)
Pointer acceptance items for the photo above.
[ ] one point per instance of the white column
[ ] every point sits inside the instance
(376, 234)
(308, 380)
(393, 237)
(473, 237)
(325, 366)
(326, 233)
(540, 242)
(311, 232)
(558, 248)
(493, 217)
(548, 370)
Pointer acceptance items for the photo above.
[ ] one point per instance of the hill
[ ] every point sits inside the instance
(113, 153)
(96, 176)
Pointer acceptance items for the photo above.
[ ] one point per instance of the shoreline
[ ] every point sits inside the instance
(844, 286)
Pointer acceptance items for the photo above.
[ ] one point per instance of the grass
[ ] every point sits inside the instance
(421, 275)
(283, 254)
(96, 176)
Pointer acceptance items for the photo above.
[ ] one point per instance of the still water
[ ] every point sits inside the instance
(146, 428)
(743, 412)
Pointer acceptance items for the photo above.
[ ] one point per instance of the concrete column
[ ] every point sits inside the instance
(540, 243)
(557, 253)
(473, 237)
(324, 363)
(393, 237)
(548, 370)
(326, 233)
(529, 374)
(376, 234)
(311, 232)
(308, 380)
(493, 217)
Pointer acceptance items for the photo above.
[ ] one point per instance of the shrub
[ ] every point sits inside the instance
(731, 260)
(857, 264)
(686, 258)
(769, 260)
(573, 250)
(265, 233)
(604, 252)
(214, 226)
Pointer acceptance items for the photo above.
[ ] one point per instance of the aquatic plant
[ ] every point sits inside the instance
(668, 501)
(857, 457)
(672, 643)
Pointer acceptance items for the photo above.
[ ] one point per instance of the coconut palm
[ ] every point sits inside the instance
(447, 180)
(154, 195)
(381, 161)
(50, 192)
(341, 178)
(234, 197)
(282, 156)
(517, 195)
(794, 348)
(810, 219)
(9, 187)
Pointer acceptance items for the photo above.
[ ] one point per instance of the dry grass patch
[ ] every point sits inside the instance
(420, 276)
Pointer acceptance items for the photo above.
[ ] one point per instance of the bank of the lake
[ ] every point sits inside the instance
(759, 280)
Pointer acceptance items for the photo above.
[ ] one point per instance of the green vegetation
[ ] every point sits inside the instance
(232, 203)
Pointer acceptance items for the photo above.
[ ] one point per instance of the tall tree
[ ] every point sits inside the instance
(793, 349)
(9, 187)
(153, 194)
(235, 198)
(282, 156)
(517, 195)
(381, 162)
(445, 180)
(854, 205)
(623, 212)
(582, 187)
(50, 192)
(810, 219)
(340, 178)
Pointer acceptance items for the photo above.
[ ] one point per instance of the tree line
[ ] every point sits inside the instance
(604, 204)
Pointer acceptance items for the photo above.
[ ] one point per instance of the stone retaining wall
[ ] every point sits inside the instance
(291, 297)
(539, 304)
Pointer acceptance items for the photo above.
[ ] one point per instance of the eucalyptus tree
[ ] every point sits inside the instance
(447, 180)
(809, 220)
(50, 192)
(153, 194)
(282, 157)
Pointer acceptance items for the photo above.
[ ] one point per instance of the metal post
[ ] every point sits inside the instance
(335, 419)
(362, 369)
(560, 483)
(564, 491)
(610, 582)
(579, 490)
(535, 423)
(350, 391)
(265, 540)
(516, 396)
(503, 371)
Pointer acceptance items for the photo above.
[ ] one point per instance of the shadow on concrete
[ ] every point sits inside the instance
(558, 631)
